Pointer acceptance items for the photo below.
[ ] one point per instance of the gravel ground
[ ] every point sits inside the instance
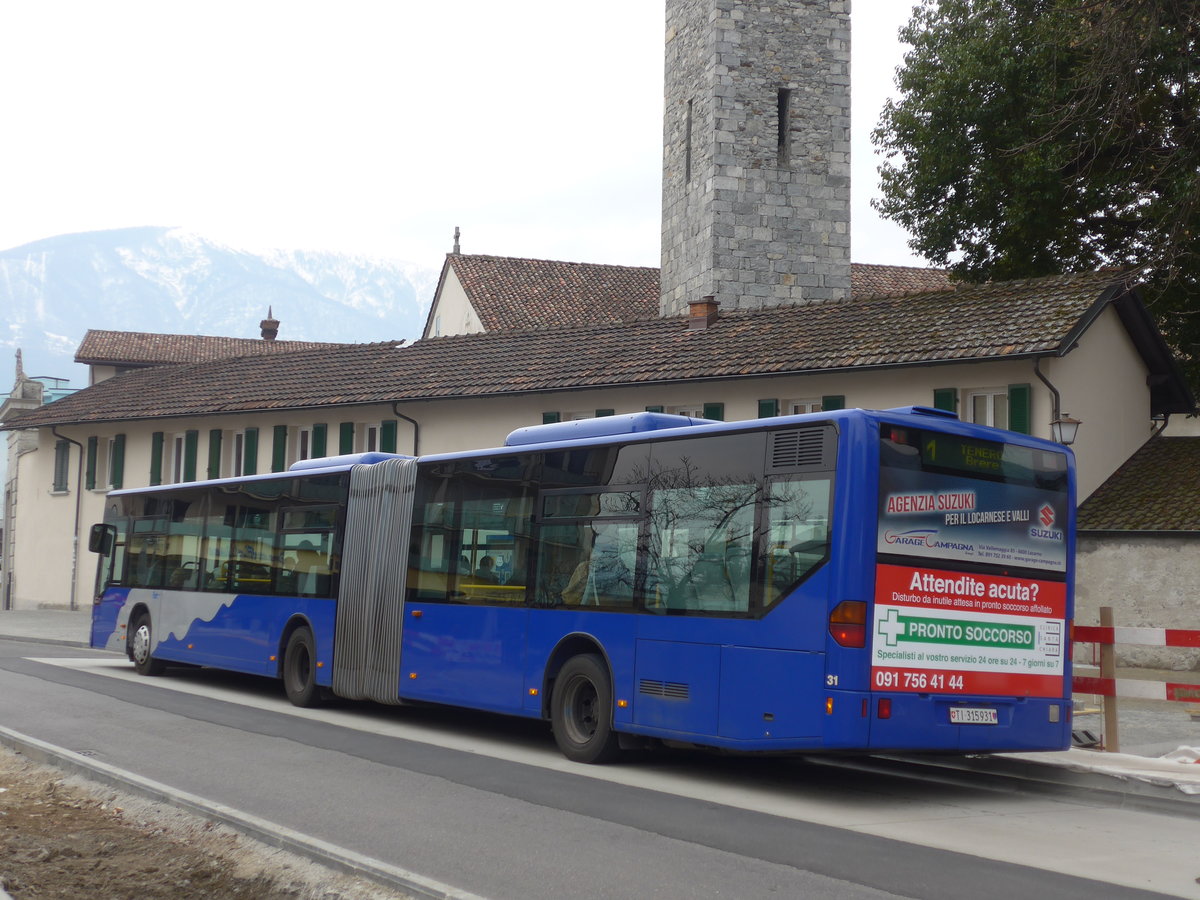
(64, 837)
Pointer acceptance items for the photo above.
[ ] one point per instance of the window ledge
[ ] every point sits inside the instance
(54, 493)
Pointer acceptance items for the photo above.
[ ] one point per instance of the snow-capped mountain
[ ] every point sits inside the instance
(171, 281)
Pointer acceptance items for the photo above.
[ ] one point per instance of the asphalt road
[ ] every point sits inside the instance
(486, 804)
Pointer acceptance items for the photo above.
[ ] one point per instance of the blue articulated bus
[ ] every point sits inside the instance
(850, 580)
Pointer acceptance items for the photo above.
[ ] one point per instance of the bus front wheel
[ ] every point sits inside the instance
(300, 669)
(581, 711)
(140, 642)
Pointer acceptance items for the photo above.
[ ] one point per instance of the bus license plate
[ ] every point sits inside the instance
(973, 715)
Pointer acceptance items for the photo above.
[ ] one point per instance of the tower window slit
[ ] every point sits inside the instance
(784, 136)
(687, 145)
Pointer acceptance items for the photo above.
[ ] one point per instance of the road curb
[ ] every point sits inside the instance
(28, 639)
(269, 833)
(1008, 773)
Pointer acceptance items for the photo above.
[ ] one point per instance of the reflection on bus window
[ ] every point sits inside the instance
(797, 533)
(702, 539)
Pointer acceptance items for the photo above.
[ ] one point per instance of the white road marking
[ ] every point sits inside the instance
(1117, 846)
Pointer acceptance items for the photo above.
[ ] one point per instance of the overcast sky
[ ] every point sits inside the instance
(367, 126)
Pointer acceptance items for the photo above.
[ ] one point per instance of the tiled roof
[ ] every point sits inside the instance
(868, 280)
(512, 293)
(1157, 489)
(139, 348)
(970, 323)
(515, 294)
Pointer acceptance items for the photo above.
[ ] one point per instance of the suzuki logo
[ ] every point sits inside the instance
(1046, 514)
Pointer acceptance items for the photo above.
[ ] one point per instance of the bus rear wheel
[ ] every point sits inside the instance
(581, 711)
(300, 669)
(140, 641)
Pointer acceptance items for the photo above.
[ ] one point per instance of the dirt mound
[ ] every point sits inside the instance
(61, 836)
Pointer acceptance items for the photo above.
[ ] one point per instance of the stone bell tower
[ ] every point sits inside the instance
(756, 158)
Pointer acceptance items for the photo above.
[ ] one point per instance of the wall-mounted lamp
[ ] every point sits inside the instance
(1064, 428)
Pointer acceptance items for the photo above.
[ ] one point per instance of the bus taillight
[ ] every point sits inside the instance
(848, 623)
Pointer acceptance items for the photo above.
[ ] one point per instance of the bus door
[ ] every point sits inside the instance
(465, 614)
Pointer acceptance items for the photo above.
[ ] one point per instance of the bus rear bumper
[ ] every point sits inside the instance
(968, 724)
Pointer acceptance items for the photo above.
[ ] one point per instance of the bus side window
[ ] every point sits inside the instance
(184, 535)
(702, 539)
(797, 533)
(605, 559)
(144, 560)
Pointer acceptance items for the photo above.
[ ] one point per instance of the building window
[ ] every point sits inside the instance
(696, 412)
(800, 407)
(370, 438)
(110, 459)
(93, 451)
(177, 459)
(304, 444)
(238, 453)
(62, 460)
(988, 407)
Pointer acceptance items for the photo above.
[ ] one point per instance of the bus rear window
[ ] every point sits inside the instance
(966, 500)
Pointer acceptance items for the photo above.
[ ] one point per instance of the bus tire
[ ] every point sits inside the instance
(300, 669)
(581, 710)
(141, 638)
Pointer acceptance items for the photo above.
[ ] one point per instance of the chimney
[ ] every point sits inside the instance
(456, 251)
(269, 326)
(702, 313)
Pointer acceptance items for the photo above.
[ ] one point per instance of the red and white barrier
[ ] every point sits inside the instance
(1147, 637)
(1132, 687)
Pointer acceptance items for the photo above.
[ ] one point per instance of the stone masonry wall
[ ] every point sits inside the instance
(764, 217)
(1150, 582)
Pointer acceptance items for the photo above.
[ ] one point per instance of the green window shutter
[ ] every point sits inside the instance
(118, 462)
(250, 452)
(833, 401)
(279, 448)
(191, 448)
(387, 436)
(946, 398)
(768, 408)
(214, 453)
(346, 437)
(92, 446)
(714, 411)
(62, 462)
(549, 418)
(605, 412)
(320, 438)
(657, 409)
(1019, 411)
(156, 457)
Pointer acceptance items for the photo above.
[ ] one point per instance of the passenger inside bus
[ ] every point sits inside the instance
(486, 571)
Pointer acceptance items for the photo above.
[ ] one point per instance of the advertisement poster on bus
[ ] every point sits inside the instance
(958, 633)
(942, 516)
